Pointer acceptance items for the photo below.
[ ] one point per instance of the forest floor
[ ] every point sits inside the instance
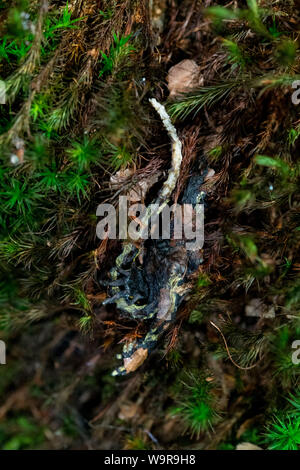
(78, 130)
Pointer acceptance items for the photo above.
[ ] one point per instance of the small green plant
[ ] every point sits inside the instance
(242, 198)
(246, 244)
(215, 153)
(107, 14)
(50, 178)
(17, 251)
(235, 55)
(294, 400)
(197, 406)
(38, 152)
(85, 323)
(193, 102)
(253, 15)
(21, 433)
(283, 434)
(61, 23)
(60, 117)
(118, 157)
(292, 299)
(174, 358)
(203, 280)
(16, 48)
(286, 52)
(3, 49)
(137, 442)
(84, 153)
(197, 316)
(39, 107)
(81, 300)
(273, 30)
(69, 427)
(293, 135)
(118, 54)
(274, 163)
(282, 355)
(76, 183)
(20, 196)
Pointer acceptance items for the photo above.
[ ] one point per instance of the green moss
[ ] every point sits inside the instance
(203, 280)
(21, 433)
(283, 434)
(197, 405)
(120, 52)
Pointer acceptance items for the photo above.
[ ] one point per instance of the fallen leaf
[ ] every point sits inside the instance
(183, 77)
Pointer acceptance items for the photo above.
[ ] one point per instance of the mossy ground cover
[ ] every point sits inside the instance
(78, 76)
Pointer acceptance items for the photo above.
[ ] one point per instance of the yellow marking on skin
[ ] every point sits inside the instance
(118, 371)
(123, 305)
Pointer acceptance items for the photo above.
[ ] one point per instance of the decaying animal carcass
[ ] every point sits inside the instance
(149, 282)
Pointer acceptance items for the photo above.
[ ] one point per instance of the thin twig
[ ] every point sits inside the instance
(228, 352)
